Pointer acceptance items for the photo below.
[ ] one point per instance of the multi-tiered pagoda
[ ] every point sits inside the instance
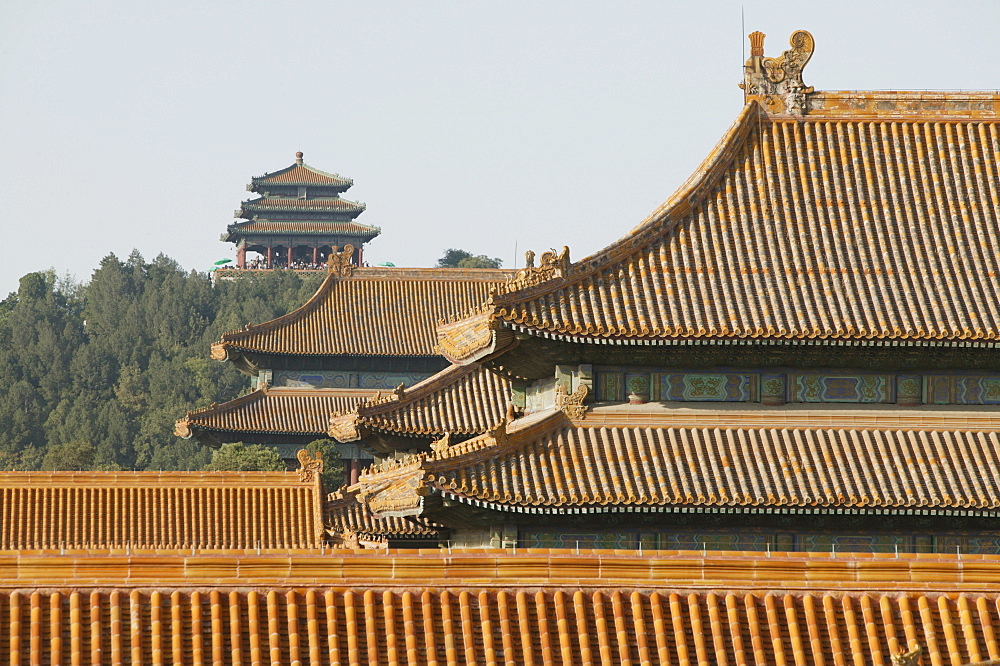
(299, 221)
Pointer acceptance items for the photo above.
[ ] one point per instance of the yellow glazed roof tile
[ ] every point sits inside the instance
(876, 224)
(274, 410)
(375, 312)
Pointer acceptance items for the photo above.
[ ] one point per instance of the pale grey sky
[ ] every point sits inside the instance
(464, 124)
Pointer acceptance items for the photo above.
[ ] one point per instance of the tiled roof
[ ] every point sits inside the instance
(272, 227)
(849, 226)
(303, 174)
(153, 510)
(620, 459)
(460, 400)
(280, 204)
(377, 609)
(376, 312)
(274, 410)
(347, 516)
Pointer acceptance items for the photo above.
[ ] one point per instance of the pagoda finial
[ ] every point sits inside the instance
(298, 157)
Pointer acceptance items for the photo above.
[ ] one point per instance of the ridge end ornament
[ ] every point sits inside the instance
(777, 82)
(310, 467)
(339, 262)
(571, 404)
(551, 265)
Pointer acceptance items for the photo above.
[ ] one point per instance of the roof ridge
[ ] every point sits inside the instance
(440, 380)
(302, 310)
(661, 220)
(335, 176)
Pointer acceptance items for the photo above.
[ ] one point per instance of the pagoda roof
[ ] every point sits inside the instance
(282, 227)
(301, 173)
(373, 312)
(459, 400)
(668, 459)
(279, 410)
(872, 218)
(159, 510)
(285, 205)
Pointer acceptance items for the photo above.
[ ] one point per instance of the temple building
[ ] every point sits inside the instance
(761, 428)
(797, 352)
(299, 220)
(364, 333)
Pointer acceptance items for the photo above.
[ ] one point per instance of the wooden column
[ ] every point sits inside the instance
(355, 470)
(241, 256)
(270, 256)
(360, 254)
(315, 254)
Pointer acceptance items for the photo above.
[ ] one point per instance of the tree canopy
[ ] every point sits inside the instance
(454, 258)
(240, 457)
(93, 376)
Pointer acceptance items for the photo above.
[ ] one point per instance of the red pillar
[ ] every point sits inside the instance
(270, 256)
(361, 255)
(315, 255)
(241, 256)
(355, 470)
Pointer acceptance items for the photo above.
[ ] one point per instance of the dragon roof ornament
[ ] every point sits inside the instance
(339, 262)
(777, 82)
(550, 265)
(310, 468)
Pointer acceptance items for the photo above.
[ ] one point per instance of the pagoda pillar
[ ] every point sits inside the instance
(270, 256)
(241, 256)
(355, 470)
(360, 254)
(315, 255)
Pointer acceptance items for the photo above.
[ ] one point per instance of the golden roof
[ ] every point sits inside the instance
(283, 410)
(872, 217)
(566, 607)
(460, 400)
(375, 312)
(159, 510)
(671, 459)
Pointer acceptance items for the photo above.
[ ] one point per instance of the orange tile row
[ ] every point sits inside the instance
(575, 464)
(461, 400)
(274, 410)
(145, 510)
(806, 228)
(377, 311)
(750, 571)
(467, 625)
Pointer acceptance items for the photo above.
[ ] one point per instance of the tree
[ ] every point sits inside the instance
(240, 457)
(454, 258)
(333, 464)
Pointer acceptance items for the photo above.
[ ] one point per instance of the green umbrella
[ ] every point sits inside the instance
(223, 261)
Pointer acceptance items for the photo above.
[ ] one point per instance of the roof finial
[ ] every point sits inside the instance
(298, 157)
(777, 82)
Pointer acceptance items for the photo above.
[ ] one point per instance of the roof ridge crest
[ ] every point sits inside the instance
(660, 221)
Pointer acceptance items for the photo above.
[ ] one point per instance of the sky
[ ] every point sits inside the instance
(493, 127)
